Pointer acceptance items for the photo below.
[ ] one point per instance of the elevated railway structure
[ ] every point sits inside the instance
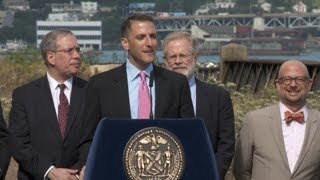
(292, 20)
(260, 73)
(235, 67)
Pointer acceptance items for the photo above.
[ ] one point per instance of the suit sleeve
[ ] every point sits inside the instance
(31, 161)
(4, 150)
(90, 115)
(226, 137)
(242, 168)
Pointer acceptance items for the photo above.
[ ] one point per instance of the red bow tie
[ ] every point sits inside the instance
(289, 117)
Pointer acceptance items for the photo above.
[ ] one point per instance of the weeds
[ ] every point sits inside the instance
(24, 66)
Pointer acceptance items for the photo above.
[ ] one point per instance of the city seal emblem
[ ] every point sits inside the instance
(154, 153)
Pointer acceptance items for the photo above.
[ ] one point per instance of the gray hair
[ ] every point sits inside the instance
(180, 35)
(49, 42)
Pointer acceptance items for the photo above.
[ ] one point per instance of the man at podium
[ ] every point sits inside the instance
(137, 89)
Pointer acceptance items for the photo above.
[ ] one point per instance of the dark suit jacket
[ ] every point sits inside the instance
(214, 106)
(107, 96)
(4, 149)
(35, 136)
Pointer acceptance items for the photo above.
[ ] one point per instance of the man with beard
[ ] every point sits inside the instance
(125, 92)
(281, 141)
(210, 102)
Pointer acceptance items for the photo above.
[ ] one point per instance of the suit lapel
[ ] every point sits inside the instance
(120, 84)
(310, 131)
(201, 100)
(276, 129)
(47, 106)
(160, 86)
(75, 103)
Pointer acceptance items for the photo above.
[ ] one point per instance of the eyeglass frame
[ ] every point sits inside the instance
(183, 57)
(298, 80)
(69, 51)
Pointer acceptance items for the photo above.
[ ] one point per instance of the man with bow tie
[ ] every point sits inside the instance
(281, 141)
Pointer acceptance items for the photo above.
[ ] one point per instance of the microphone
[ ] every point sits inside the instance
(150, 87)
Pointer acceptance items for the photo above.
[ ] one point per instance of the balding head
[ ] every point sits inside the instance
(293, 64)
(293, 84)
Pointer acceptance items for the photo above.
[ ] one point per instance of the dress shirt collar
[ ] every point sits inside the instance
(54, 83)
(193, 92)
(133, 71)
(192, 81)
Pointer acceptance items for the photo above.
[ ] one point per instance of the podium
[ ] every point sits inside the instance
(105, 159)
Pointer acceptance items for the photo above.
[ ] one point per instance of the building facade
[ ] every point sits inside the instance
(16, 5)
(88, 33)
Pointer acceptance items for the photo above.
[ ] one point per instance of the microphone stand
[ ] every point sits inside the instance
(150, 87)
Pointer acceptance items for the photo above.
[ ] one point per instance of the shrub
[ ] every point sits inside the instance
(21, 67)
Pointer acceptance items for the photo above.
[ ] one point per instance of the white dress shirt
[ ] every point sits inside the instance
(193, 92)
(133, 79)
(293, 135)
(55, 92)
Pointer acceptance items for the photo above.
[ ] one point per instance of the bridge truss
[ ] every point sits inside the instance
(293, 20)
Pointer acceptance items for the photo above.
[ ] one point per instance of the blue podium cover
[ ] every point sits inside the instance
(105, 159)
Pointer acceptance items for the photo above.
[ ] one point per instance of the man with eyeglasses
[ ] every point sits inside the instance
(45, 128)
(281, 141)
(210, 102)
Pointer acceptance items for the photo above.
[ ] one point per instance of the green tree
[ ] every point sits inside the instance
(6, 33)
(313, 4)
(162, 5)
(110, 26)
(190, 6)
(23, 26)
(25, 23)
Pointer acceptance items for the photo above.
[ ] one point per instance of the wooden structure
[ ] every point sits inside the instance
(236, 67)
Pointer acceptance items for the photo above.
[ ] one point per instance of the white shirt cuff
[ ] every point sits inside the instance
(46, 174)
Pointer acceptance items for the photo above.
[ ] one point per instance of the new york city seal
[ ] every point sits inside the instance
(154, 153)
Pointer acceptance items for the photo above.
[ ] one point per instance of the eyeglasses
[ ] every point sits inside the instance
(183, 57)
(288, 80)
(70, 51)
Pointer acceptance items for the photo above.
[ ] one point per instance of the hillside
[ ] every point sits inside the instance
(25, 22)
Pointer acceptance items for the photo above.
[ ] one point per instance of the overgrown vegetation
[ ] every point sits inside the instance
(20, 68)
(24, 66)
(245, 101)
(25, 22)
